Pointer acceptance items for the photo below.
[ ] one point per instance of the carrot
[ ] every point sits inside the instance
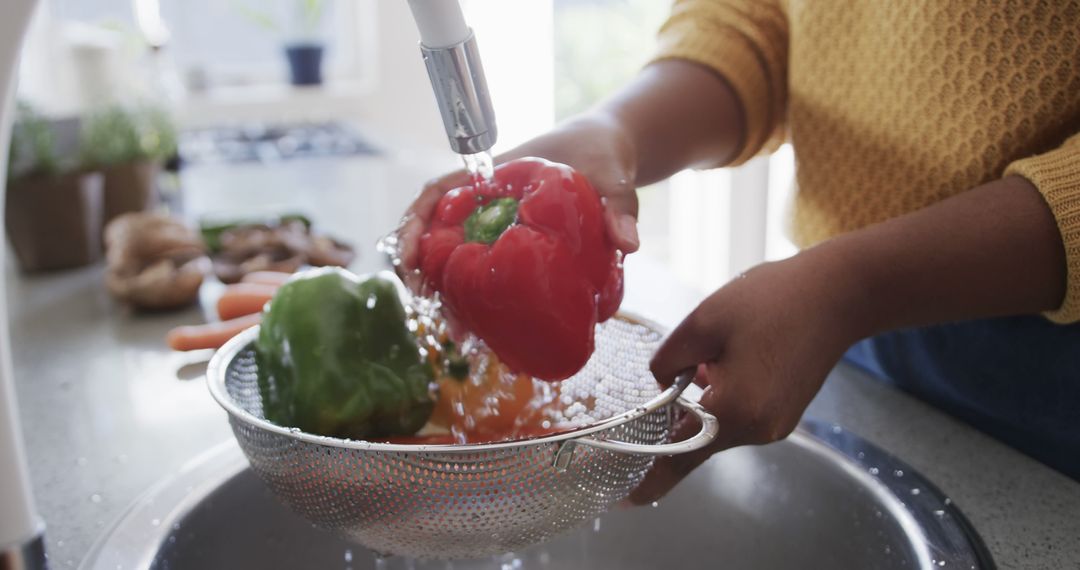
(210, 335)
(277, 278)
(242, 299)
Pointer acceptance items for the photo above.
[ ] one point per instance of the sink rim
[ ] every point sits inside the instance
(935, 526)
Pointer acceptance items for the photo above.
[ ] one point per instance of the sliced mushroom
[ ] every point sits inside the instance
(285, 247)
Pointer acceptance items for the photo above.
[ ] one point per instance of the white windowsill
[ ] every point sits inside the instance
(333, 100)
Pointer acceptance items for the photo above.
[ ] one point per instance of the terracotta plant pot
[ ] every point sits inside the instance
(130, 187)
(54, 222)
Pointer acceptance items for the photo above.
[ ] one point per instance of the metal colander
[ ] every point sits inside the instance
(469, 501)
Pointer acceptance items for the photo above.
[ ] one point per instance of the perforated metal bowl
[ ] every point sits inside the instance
(467, 501)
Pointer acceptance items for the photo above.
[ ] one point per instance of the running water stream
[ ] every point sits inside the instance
(480, 167)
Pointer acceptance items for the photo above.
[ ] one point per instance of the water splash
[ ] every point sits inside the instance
(510, 561)
(480, 166)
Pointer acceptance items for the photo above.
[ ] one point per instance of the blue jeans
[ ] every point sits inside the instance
(1016, 379)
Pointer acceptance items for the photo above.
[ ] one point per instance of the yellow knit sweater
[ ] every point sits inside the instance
(893, 105)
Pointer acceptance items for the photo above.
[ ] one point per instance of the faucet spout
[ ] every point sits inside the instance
(457, 76)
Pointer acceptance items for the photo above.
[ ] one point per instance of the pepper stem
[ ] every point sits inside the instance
(489, 221)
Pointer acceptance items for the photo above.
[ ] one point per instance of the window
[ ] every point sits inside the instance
(706, 226)
(237, 42)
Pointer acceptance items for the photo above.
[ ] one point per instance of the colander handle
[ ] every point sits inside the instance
(709, 428)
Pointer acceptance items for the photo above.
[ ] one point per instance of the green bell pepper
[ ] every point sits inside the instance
(336, 358)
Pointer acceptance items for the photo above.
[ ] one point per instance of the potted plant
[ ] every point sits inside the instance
(52, 210)
(129, 147)
(305, 49)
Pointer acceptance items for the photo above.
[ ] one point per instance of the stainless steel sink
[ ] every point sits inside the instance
(823, 498)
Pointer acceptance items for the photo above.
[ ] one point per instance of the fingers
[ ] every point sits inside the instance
(668, 471)
(419, 214)
(607, 165)
(743, 421)
(621, 207)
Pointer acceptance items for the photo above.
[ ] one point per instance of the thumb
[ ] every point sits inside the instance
(621, 224)
(616, 188)
(696, 340)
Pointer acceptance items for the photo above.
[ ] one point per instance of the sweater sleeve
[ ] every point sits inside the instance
(746, 43)
(1057, 176)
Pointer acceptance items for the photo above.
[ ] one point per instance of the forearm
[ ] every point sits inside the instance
(992, 251)
(678, 115)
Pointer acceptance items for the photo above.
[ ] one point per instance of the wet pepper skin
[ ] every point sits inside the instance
(525, 263)
(336, 358)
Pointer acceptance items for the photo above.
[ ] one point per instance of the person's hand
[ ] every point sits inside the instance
(595, 145)
(762, 345)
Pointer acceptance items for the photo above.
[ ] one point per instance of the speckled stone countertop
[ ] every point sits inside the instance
(108, 411)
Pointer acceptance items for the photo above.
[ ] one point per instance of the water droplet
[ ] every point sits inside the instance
(915, 491)
(348, 555)
(172, 539)
(596, 525)
(860, 454)
(898, 473)
(95, 498)
(655, 504)
(510, 561)
(940, 562)
(948, 501)
(939, 513)
(874, 471)
(837, 429)
(888, 550)
(155, 522)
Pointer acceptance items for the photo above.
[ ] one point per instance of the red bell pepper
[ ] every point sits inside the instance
(524, 262)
